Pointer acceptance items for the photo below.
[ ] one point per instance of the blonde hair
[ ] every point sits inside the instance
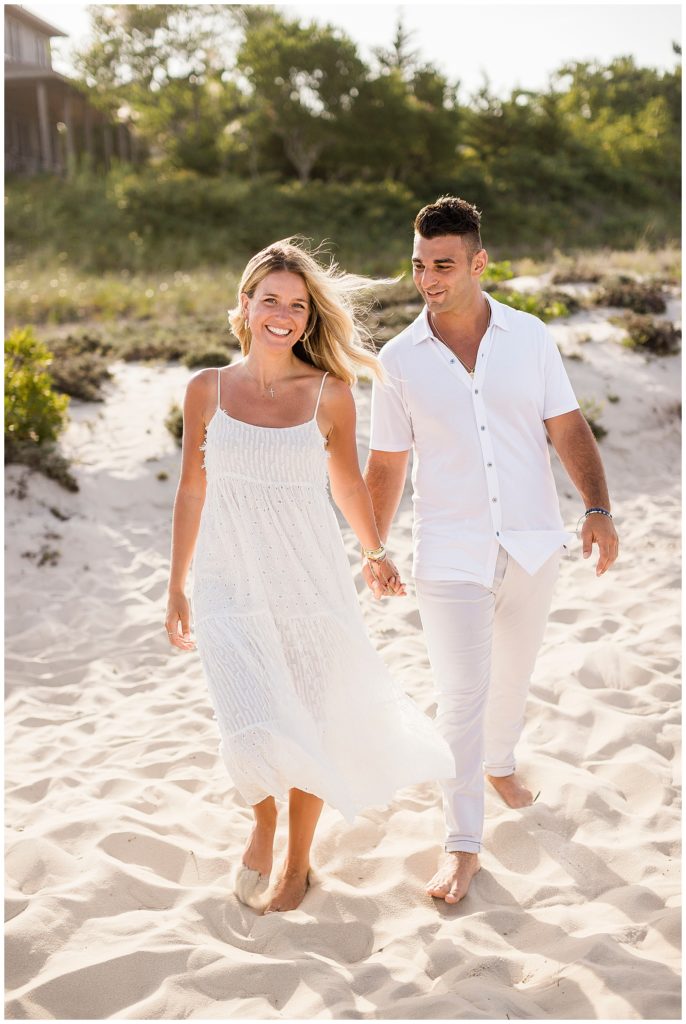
(336, 338)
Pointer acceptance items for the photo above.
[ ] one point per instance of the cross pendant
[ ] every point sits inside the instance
(270, 389)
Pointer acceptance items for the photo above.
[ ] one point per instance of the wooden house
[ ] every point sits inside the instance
(50, 125)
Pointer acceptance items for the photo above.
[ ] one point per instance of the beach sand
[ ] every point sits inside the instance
(123, 828)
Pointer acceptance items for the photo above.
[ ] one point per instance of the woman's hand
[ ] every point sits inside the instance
(178, 622)
(383, 579)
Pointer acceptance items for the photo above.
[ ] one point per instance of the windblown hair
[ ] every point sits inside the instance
(336, 338)
(450, 215)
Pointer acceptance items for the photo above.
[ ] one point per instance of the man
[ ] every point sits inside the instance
(473, 387)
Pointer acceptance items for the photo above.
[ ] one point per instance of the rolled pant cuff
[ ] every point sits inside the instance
(498, 771)
(462, 846)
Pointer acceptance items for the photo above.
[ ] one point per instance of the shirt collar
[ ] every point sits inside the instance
(422, 332)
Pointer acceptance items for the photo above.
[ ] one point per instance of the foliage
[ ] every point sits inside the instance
(80, 366)
(303, 82)
(33, 411)
(496, 272)
(647, 334)
(174, 422)
(163, 67)
(133, 223)
(43, 458)
(591, 411)
(209, 355)
(635, 295)
(537, 303)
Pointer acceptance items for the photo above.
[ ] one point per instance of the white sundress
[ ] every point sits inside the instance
(301, 697)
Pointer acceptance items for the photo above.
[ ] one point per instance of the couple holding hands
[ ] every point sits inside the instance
(306, 708)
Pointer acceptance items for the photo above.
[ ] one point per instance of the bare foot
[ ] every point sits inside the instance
(259, 851)
(511, 790)
(451, 881)
(289, 891)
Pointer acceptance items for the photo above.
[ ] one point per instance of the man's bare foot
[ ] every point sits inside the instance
(259, 851)
(511, 790)
(451, 881)
(289, 891)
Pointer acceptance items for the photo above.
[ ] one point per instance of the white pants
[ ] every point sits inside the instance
(482, 645)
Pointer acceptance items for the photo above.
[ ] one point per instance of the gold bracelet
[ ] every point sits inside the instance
(375, 554)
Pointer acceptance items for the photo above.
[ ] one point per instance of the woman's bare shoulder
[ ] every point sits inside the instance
(202, 382)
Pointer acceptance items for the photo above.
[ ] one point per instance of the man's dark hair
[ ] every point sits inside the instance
(450, 215)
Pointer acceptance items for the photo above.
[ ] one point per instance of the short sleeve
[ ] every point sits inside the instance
(559, 393)
(391, 425)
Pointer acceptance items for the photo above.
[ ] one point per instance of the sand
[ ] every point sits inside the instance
(123, 827)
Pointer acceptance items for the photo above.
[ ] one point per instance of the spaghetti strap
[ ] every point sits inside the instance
(219, 378)
(319, 396)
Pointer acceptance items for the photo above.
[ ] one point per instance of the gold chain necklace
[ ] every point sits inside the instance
(267, 387)
(432, 323)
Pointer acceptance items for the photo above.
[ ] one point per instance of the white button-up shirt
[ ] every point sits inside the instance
(481, 471)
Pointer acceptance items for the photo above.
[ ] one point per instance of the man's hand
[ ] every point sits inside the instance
(383, 579)
(599, 529)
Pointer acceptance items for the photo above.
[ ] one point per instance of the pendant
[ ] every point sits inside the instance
(270, 389)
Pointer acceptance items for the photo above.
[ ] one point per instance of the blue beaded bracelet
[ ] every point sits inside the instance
(590, 511)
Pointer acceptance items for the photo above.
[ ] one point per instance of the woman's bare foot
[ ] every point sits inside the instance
(289, 891)
(451, 881)
(259, 852)
(511, 790)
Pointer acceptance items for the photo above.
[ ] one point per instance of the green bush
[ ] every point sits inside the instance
(33, 410)
(591, 411)
(79, 366)
(539, 304)
(495, 271)
(44, 458)
(137, 221)
(174, 423)
(635, 295)
(207, 355)
(34, 413)
(647, 334)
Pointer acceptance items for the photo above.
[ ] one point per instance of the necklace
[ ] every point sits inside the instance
(432, 324)
(267, 387)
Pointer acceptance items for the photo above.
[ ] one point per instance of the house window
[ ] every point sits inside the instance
(41, 51)
(11, 39)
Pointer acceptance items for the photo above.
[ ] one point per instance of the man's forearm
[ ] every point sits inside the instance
(579, 454)
(385, 482)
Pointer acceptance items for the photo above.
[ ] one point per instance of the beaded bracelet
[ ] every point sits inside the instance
(591, 511)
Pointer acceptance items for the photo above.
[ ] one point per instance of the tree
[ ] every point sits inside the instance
(170, 65)
(303, 80)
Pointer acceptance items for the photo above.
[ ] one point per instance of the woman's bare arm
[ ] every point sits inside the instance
(188, 503)
(348, 488)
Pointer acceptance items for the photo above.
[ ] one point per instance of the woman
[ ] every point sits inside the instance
(305, 706)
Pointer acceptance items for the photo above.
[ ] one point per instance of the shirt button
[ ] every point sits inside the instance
(489, 464)
(497, 533)
(494, 499)
(452, 360)
(483, 428)
(476, 391)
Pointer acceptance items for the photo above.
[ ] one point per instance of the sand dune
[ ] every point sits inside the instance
(123, 827)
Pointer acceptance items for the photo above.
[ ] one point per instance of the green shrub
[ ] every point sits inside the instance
(575, 274)
(647, 334)
(79, 366)
(207, 355)
(44, 458)
(539, 304)
(495, 271)
(591, 411)
(33, 410)
(174, 423)
(628, 294)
